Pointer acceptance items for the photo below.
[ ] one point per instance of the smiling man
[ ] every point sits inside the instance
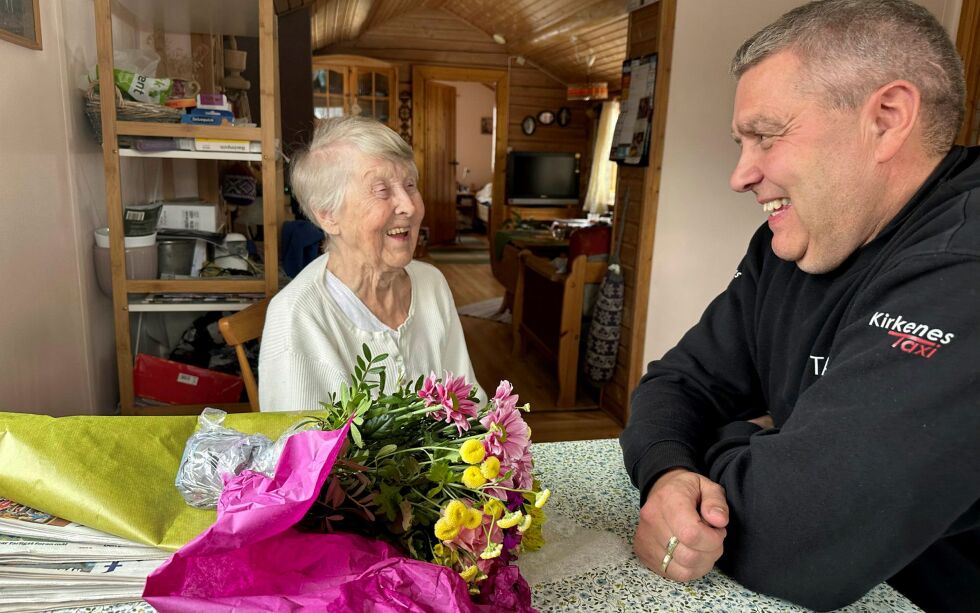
(818, 431)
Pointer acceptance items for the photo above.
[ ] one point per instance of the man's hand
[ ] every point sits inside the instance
(764, 422)
(693, 509)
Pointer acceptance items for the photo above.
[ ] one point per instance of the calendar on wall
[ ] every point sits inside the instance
(631, 137)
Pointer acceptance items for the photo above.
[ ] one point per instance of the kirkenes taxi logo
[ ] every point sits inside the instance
(912, 337)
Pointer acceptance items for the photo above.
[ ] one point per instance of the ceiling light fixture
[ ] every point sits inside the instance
(499, 39)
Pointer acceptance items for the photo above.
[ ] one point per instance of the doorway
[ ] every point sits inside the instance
(472, 164)
(434, 142)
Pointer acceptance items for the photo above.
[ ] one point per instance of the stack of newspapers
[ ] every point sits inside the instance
(47, 563)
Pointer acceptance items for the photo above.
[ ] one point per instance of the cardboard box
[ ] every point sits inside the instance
(176, 383)
(189, 215)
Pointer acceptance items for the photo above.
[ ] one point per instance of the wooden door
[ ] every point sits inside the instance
(439, 182)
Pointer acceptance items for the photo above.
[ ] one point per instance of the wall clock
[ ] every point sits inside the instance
(529, 125)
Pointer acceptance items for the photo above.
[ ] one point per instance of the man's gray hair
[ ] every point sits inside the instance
(849, 48)
(320, 173)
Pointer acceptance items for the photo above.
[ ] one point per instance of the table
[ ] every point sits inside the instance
(466, 205)
(591, 488)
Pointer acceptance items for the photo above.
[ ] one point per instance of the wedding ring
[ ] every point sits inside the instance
(671, 546)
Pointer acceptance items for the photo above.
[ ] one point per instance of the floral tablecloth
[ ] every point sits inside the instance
(587, 564)
(590, 488)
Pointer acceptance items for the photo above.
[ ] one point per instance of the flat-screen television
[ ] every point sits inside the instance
(542, 178)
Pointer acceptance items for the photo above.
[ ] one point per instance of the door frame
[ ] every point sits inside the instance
(501, 82)
(968, 45)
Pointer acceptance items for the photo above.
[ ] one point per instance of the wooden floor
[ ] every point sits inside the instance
(533, 376)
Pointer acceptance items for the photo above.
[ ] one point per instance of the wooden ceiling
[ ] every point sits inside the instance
(574, 40)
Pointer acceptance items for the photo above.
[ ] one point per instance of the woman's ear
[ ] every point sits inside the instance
(328, 222)
(894, 111)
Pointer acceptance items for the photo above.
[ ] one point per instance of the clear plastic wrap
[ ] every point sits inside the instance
(214, 452)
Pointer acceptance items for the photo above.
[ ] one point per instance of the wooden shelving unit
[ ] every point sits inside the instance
(226, 17)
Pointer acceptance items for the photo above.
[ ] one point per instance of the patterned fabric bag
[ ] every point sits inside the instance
(607, 317)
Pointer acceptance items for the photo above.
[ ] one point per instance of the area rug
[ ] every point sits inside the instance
(486, 309)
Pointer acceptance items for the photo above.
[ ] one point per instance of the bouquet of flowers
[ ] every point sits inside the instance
(430, 470)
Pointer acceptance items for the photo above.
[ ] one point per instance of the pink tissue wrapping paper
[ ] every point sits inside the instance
(252, 559)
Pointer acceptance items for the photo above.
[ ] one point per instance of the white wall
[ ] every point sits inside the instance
(703, 227)
(56, 347)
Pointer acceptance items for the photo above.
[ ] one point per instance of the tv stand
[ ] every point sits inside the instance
(569, 211)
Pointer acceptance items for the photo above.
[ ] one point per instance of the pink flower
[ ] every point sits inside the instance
(475, 539)
(507, 437)
(521, 474)
(451, 396)
(505, 398)
(503, 485)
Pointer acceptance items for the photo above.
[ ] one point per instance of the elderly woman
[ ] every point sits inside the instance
(358, 181)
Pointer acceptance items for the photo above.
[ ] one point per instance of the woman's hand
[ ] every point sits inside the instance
(693, 509)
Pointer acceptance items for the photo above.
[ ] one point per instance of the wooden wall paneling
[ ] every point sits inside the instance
(650, 30)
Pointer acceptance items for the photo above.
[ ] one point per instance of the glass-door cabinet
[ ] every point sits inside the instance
(353, 85)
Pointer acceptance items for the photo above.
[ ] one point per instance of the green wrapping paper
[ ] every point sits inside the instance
(114, 474)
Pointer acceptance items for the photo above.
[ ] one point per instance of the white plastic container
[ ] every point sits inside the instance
(141, 258)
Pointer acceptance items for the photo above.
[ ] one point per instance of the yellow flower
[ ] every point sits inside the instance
(525, 524)
(445, 531)
(456, 513)
(542, 498)
(494, 508)
(510, 520)
(490, 467)
(473, 478)
(492, 551)
(470, 573)
(473, 519)
(472, 451)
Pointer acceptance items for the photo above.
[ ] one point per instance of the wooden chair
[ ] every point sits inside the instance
(238, 329)
(548, 306)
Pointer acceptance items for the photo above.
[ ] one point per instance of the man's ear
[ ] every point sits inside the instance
(894, 112)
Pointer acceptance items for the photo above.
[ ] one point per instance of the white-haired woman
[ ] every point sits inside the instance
(358, 181)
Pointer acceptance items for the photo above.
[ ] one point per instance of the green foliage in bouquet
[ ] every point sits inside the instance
(428, 468)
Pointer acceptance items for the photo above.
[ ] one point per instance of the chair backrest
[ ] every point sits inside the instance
(239, 328)
(593, 240)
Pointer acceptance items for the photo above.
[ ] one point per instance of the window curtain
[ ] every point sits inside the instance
(602, 185)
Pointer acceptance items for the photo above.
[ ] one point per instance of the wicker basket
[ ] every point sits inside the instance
(127, 110)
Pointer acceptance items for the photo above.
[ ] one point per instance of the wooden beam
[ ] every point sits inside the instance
(968, 46)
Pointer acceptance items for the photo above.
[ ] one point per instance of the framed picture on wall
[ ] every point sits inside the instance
(486, 125)
(20, 22)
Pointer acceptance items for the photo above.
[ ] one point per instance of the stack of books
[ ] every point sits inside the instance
(48, 563)
(214, 110)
